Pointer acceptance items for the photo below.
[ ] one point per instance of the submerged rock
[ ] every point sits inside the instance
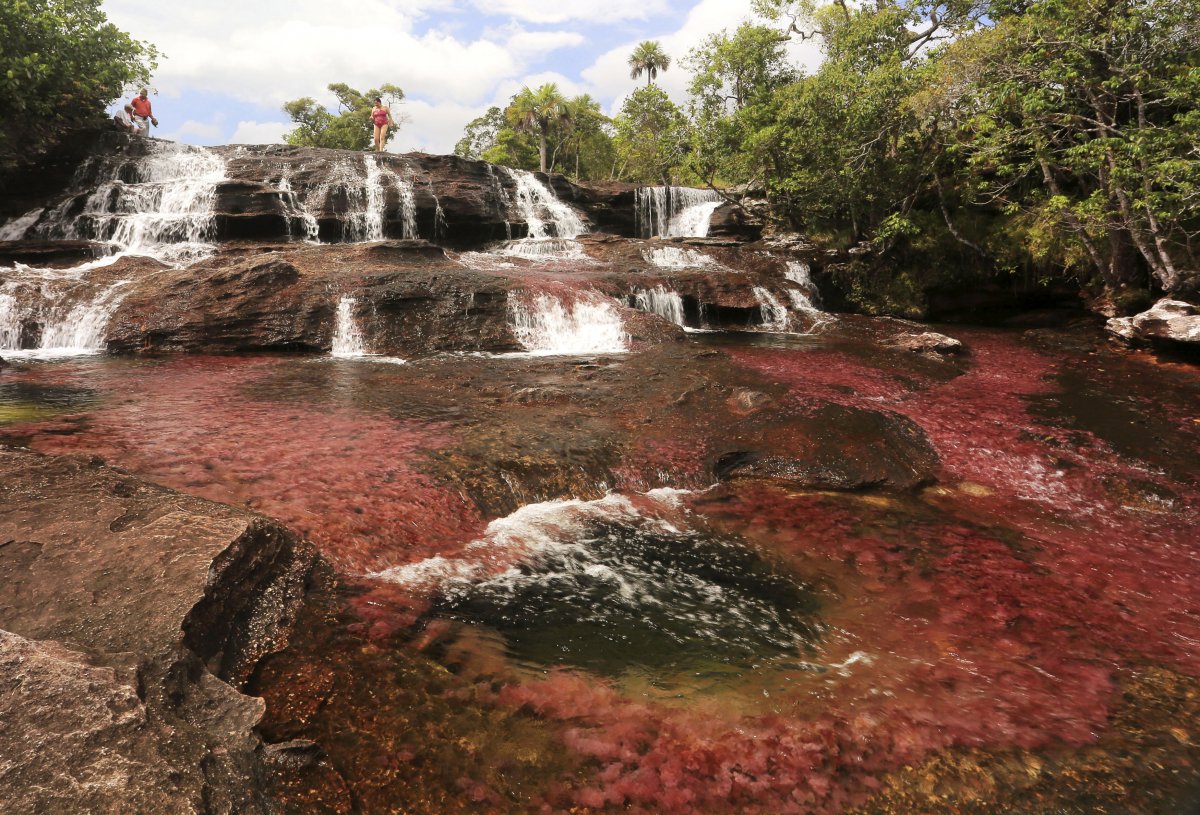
(130, 616)
(1169, 321)
(834, 447)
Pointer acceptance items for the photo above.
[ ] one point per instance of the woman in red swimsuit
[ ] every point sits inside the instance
(381, 117)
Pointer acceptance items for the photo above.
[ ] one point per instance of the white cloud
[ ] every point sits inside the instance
(260, 132)
(560, 11)
(193, 131)
(609, 77)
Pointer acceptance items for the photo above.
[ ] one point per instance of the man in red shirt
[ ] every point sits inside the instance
(142, 112)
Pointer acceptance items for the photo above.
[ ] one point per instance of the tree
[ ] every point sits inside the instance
(481, 134)
(652, 137)
(61, 64)
(348, 129)
(648, 58)
(538, 112)
(1080, 119)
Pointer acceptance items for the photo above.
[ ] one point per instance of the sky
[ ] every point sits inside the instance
(229, 65)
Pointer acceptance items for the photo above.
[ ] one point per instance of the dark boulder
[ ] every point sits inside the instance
(833, 447)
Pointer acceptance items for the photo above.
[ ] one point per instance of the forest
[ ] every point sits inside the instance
(1053, 140)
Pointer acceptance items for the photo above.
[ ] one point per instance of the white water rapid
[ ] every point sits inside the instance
(775, 316)
(661, 301)
(545, 325)
(679, 212)
(675, 257)
(160, 204)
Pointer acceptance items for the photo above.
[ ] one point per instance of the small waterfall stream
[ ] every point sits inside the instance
(775, 316)
(545, 325)
(347, 337)
(678, 212)
(661, 301)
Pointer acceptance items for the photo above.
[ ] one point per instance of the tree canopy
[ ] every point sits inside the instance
(648, 58)
(951, 140)
(350, 128)
(61, 64)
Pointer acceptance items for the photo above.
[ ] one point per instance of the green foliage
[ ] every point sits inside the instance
(573, 135)
(481, 134)
(653, 137)
(350, 128)
(61, 63)
(648, 58)
(539, 113)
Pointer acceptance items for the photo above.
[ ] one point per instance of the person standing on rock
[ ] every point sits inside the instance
(381, 117)
(142, 112)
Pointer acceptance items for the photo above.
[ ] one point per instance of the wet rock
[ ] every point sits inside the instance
(1169, 321)
(834, 447)
(50, 253)
(731, 221)
(928, 343)
(131, 614)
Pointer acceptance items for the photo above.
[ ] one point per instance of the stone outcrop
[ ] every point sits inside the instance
(130, 616)
(833, 447)
(1169, 322)
(927, 343)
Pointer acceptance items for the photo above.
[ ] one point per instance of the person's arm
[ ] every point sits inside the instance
(150, 110)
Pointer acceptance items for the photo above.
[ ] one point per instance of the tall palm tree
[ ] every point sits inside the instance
(648, 58)
(538, 112)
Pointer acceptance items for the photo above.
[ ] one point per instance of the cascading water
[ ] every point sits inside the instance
(294, 209)
(365, 203)
(347, 337)
(806, 297)
(775, 315)
(15, 229)
(546, 325)
(674, 211)
(160, 205)
(674, 257)
(546, 216)
(661, 301)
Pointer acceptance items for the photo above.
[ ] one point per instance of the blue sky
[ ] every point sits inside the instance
(229, 66)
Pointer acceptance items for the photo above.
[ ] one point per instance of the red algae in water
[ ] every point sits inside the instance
(346, 479)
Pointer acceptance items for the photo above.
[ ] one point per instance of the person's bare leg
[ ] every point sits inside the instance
(379, 138)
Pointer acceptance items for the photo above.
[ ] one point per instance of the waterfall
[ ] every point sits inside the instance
(160, 204)
(775, 315)
(66, 330)
(294, 208)
(674, 257)
(15, 229)
(408, 209)
(546, 215)
(545, 249)
(661, 301)
(674, 211)
(365, 204)
(545, 325)
(347, 338)
(806, 298)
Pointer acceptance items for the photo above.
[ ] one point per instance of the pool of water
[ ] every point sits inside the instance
(547, 604)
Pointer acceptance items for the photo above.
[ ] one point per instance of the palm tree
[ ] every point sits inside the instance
(538, 112)
(648, 58)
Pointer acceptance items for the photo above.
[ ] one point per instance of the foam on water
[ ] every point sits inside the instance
(545, 325)
(676, 257)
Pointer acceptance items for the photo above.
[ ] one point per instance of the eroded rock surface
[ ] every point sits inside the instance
(1169, 321)
(129, 614)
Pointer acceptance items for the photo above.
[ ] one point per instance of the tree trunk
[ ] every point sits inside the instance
(542, 151)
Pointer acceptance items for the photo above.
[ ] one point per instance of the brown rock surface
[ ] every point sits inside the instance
(127, 611)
